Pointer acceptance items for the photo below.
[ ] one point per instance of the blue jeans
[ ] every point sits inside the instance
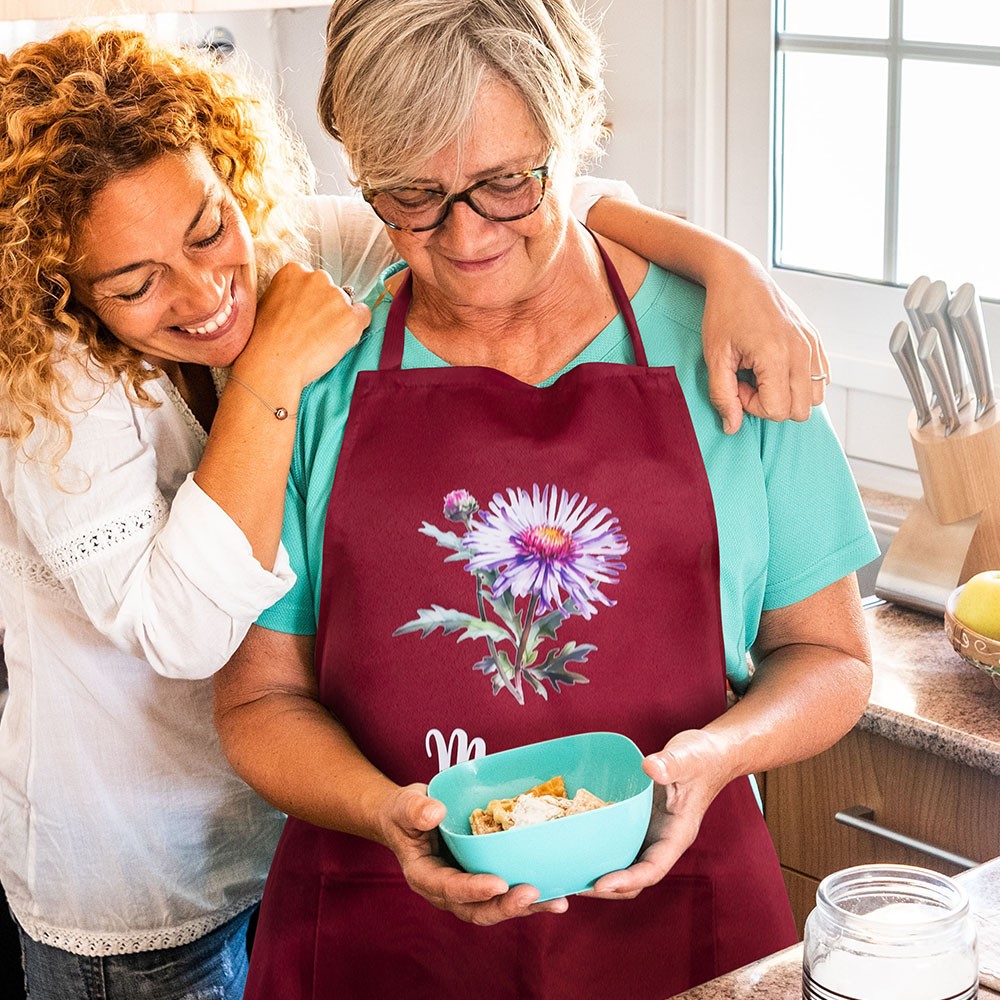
(212, 968)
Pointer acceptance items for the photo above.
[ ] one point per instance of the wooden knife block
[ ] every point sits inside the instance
(960, 475)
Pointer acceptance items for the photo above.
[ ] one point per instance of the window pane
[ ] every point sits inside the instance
(949, 205)
(852, 18)
(971, 22)
(832, 164)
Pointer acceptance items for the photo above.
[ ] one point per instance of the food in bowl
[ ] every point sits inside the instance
(544, 802)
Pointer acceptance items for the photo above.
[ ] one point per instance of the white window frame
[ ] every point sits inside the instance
(855, 317)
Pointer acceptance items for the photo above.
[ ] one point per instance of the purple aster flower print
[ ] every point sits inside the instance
(536, 558)
(546, 544)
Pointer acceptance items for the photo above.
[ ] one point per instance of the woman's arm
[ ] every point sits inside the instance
(288, 747)
(349, 241)
(304, 326)
(748, 324)
(810, 686)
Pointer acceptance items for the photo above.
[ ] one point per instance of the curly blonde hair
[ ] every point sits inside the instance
(77, 111)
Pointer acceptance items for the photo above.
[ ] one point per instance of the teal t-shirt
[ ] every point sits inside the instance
(790, 520)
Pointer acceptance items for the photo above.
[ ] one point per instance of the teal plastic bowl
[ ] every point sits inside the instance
(563, 856)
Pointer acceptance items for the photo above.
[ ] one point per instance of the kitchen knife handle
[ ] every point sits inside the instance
(911, 303)
(931, 357)
(905, 354)
(934, 306)
(966, 315)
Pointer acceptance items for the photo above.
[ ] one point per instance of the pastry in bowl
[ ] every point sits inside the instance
(541, 804)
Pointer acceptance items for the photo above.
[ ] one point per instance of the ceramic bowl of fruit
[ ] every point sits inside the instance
(972, 622)
(556, 815)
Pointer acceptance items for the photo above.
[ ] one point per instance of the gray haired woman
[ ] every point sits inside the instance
(532, 400)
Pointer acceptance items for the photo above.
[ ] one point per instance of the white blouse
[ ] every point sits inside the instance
(122, 826)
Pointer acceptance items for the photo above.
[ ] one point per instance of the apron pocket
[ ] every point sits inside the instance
(660, 943)
(377, 938)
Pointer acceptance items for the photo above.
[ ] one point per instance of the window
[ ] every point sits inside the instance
(886, 150)
(862, 151)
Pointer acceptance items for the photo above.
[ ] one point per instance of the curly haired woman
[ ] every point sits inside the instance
(150, 385)
(137, 548)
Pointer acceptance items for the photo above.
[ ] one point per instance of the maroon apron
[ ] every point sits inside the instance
(639, 558)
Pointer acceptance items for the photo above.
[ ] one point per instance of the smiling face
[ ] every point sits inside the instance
(168, 262)
(468, 260)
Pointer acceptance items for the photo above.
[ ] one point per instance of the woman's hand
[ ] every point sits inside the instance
(750, 324)
(409, 821)
(688, 773)
(304, 325)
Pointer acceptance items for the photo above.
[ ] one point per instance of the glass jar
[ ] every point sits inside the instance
(890, 932)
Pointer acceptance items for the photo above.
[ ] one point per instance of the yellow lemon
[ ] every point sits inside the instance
(978, 604)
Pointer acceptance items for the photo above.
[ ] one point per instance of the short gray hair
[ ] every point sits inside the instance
(401, 77)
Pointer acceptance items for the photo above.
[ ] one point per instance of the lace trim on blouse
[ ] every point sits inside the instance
(131, 942)
(173, 394)
(220, 376)
(65, 557)
(32, 571)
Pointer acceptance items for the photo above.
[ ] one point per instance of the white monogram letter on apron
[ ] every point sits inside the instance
(459, 742)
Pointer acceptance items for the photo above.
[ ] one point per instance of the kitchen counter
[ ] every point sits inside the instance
(925, 696)
(779, 977)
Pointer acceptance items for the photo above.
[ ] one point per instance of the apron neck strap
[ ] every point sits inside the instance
(395, 326)
(624, 305)
(392, 344)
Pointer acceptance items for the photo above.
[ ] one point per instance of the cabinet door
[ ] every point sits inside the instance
(801, 894)
(915, 793)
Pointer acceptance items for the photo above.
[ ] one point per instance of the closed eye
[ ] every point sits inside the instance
(214, 238)
(508, 184)
(411, 198)
(136, 295)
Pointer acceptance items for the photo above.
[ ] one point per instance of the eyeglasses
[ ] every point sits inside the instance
(504, 198)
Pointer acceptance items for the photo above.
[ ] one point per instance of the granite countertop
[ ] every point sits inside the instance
(779, 977)
(925, 696)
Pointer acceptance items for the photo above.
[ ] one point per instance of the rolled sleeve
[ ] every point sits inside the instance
(210, 549)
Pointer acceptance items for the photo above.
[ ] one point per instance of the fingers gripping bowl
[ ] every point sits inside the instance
(566, 855)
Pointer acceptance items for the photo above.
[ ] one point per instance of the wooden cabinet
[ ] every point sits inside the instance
(918, 794)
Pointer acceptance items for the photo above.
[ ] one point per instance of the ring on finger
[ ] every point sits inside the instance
(821, 377)
(348, 290)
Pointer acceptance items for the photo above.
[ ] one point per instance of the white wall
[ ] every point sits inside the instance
(287, 45)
